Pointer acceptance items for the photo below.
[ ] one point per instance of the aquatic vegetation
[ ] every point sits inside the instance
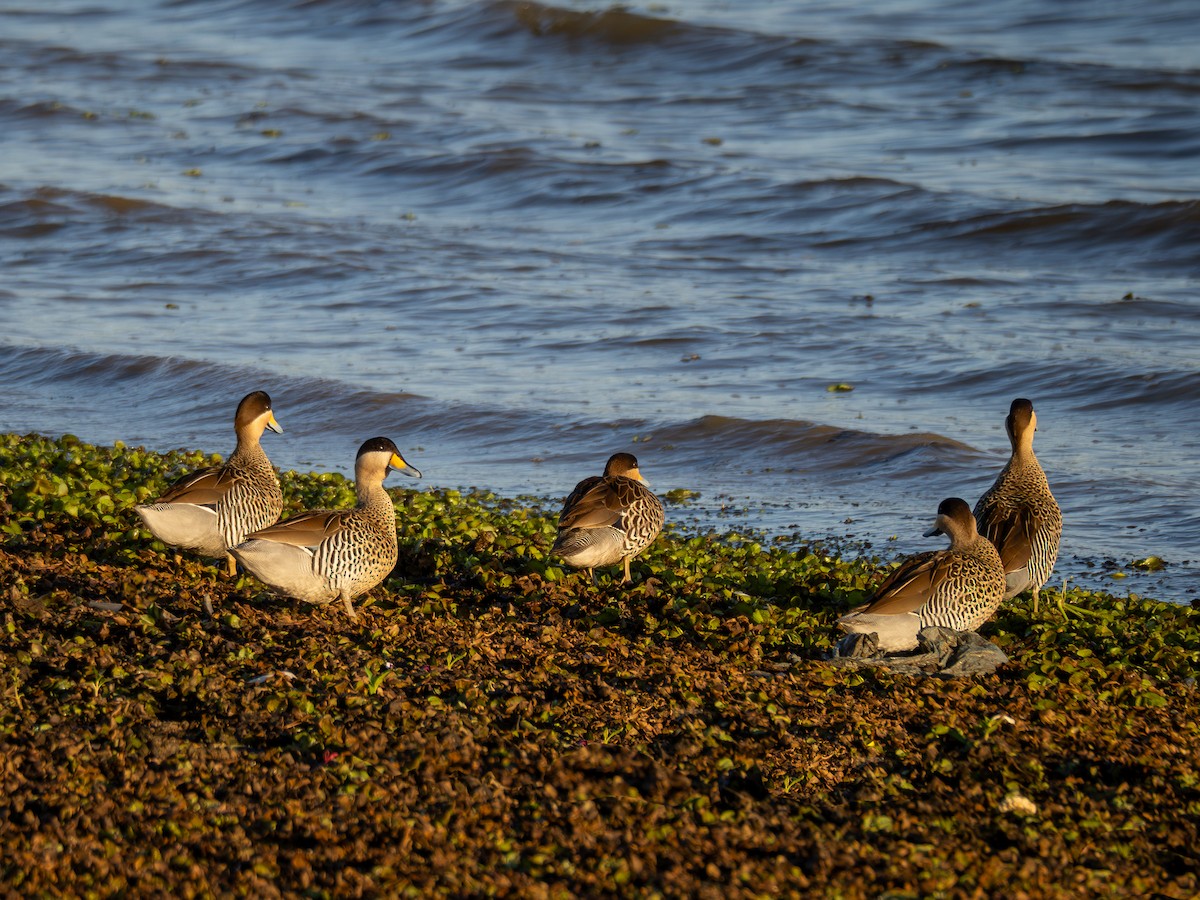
(1149, 564)
(494, 723)
(681, 496)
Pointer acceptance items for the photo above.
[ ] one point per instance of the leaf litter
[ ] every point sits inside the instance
(496, 725)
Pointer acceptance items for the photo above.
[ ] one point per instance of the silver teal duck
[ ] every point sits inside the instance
(959, 587)
(1018, 513)
(609, 518)
(333, 554)
(213, 509)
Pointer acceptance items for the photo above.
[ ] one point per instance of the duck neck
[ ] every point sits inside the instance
(248, 445)
(961, 534)
(370, 493)
(1022, 449)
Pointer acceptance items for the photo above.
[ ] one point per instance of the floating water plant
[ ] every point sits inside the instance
(681, 496)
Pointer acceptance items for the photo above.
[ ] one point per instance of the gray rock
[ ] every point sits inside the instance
(858, 646)
(941, 652)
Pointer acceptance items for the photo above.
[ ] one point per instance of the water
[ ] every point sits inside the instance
(518, 237)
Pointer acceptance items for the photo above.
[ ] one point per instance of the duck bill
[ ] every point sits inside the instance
(936, 529)
(273, 425)
(636, 475)
(398, 464)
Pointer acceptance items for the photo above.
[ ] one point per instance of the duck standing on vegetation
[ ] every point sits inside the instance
(1018, 513)
(958, 588)
(609, 519)
(213, 509)
(334, 554)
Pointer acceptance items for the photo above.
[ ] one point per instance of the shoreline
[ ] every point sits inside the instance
(494, 724)
(887, 531)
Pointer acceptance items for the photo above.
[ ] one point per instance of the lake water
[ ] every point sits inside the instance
(518, 237)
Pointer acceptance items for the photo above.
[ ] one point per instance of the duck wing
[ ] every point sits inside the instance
(305, 530)
(1011, 530)
(909, 586)
(593, 504)
(577, 494)
(203, 487)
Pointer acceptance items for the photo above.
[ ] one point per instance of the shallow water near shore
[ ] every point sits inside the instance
(518, 237)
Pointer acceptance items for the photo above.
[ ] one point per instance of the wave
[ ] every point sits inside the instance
(729, 46)
(1166, 233)
(1077, 384)
(615, 25)
(742, 56)
(16, 110)
(161, 389)
(807, 446)
(826, 214)
(1157, 391)
(1170, 225)
(168, 401)
(45, 210)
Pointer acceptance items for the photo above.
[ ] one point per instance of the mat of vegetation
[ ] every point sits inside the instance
(493, 725)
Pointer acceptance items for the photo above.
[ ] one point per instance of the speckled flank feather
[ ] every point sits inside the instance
(213, 509)
(327, 555)
(960, 587)
(609, 519)
(1019, 513)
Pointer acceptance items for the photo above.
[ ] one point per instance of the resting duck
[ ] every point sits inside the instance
(958, 588)
(608, 519)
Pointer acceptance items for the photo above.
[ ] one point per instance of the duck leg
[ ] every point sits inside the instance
(230, 565)
(345, 597)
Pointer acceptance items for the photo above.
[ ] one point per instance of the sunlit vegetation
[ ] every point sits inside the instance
(494, 723)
